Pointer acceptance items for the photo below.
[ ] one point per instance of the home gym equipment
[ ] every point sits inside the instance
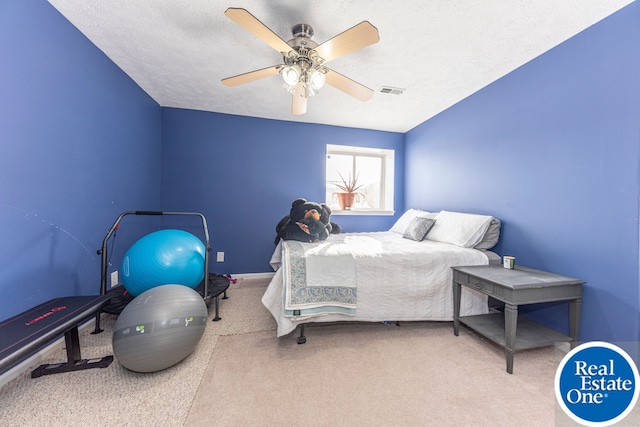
(209, 289)
(159, 328)
(26, 333)
(163, 257)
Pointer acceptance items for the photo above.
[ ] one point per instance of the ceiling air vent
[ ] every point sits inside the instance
(391, 90)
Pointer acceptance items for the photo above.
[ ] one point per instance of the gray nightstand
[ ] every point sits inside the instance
(515, 287)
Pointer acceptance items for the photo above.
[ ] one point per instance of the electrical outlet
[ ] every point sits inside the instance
(220, 257)
(114, 278)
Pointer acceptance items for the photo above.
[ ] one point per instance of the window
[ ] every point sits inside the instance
(372, 171)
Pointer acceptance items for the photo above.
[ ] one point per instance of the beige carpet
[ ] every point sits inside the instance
(418, 374)
(114, 396)
(372, 375)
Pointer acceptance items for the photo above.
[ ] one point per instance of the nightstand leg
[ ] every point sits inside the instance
(510, 325)
(457, 291)
(575, 308)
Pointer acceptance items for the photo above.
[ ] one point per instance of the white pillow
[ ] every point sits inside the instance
(460, 229)
(403, 222)
(491, 237)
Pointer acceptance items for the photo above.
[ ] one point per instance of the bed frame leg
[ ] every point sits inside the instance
(302, 339)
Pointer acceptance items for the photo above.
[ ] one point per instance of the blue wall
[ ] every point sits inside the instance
(243, 173)
(552, 149)
(79, 143)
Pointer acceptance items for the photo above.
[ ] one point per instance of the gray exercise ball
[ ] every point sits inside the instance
(159, 328)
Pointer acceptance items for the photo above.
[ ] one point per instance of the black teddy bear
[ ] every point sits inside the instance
(306, 222)
(325, 218)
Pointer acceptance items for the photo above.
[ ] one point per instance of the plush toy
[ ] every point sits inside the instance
(325, 218)
(306, 230)
(306, 222)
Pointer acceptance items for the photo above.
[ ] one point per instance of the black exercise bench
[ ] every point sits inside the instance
(24, 334)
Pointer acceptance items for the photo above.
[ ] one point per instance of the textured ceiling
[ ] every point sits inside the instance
(440, 51)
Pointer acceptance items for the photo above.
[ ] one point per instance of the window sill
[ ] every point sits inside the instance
(362, 212)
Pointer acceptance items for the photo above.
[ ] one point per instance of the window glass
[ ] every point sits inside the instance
(370, 171)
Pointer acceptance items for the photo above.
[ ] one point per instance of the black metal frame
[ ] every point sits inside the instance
(114, 227)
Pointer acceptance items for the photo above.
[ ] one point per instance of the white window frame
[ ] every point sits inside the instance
(386, 183)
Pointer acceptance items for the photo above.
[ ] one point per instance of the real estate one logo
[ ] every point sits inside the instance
(596, 384)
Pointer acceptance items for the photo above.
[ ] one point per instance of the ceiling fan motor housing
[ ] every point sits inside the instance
(302, 30)
(301, 41)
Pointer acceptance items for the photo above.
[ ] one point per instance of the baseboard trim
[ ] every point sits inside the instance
(266, 275)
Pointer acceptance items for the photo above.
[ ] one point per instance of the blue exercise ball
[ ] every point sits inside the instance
(161, 258)
(159, 328)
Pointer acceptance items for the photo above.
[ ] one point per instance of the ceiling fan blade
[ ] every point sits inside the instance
(251, 76)
(257, 28)
(362, 35)
(348, 86)
(299, 101)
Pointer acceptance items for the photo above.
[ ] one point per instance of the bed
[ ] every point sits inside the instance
(403, 274)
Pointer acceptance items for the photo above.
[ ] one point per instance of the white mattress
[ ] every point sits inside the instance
(402, 280)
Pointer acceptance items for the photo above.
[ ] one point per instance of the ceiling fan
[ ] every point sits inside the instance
(303, 68)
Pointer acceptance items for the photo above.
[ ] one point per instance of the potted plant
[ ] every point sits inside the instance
(348, 193)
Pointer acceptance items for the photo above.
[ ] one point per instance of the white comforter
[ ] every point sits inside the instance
(397, 279)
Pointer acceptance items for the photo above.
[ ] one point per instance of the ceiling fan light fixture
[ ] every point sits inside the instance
(316, 79)
(289, 88)
(291, 74)
(309, 91)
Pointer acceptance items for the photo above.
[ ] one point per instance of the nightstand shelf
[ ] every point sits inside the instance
(530, 334)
